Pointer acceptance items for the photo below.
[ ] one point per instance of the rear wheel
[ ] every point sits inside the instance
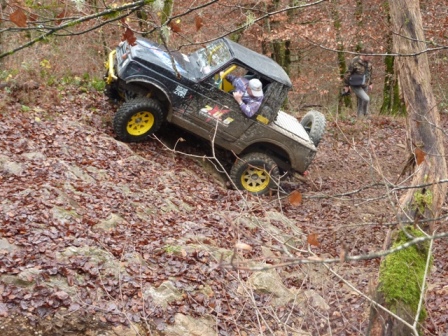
(314, 124)
(138, 118)
(255, 173)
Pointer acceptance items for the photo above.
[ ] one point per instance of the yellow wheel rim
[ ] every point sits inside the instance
(140, 123)
(255, 179)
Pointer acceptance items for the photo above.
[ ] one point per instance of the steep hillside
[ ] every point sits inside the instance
(102, 237)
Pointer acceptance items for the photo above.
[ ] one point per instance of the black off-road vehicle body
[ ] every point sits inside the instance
(187, 90)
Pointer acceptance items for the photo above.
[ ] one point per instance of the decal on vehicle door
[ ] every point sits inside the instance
(216, 113)
(180, 91)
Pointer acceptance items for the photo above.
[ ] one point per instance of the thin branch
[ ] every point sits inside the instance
(132, 6)
(318, 260)
(376, 304)
(422, 292)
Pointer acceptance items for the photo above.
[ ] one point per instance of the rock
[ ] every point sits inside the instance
(217, 253)
(269, 282)
(29, 275)
(111, 222)
(6, 246)
(62, 215)
(96, 256)
(316, 300)
(13, 168)
(212, 169)
(34, 156)
(190, 326)
(164, 294)
(75, 172)
(25, 278)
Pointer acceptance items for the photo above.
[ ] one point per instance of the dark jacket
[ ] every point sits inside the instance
(358, 66)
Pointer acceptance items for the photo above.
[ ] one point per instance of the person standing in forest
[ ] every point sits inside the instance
(358, 78)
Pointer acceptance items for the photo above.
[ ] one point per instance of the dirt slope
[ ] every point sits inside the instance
(97, 235)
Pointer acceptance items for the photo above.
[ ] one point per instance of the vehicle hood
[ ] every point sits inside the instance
(147, 51)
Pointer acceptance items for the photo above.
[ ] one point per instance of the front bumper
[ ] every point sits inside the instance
(111, 76)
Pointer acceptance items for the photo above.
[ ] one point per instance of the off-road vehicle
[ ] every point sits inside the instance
(157, 86)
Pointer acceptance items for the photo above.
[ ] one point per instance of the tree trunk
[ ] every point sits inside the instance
(399, 287)
(392, 102)
(359, 18)
(280, 48)
(295, 59)
(426, 136)
(343, 100)
(426, 144)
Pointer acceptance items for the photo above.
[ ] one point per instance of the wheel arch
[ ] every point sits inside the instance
(277, 153)
(143, 86)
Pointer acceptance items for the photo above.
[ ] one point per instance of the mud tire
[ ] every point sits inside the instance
(256, 173)
(138, 118)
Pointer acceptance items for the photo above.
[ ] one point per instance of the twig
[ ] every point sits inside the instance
(422, 292)
(370, 300)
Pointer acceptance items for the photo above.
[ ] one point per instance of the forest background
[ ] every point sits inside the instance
(305, 39)
(312, 40)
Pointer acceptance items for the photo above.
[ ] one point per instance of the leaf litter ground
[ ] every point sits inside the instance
(63, 174)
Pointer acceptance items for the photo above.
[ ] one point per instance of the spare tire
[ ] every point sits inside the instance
(314, 124)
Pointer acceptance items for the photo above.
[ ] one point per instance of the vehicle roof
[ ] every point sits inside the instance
(261, 63)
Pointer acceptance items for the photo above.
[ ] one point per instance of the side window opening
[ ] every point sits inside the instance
(237, 71)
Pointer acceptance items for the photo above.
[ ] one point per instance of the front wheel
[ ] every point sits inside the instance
(138, 118)
(255, 173)
(314, 124)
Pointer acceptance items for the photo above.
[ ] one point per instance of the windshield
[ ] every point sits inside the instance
(212, 57)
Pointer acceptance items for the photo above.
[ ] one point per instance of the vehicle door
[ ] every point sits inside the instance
(216, 109)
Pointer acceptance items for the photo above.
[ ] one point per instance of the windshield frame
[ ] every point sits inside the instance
(209, 59)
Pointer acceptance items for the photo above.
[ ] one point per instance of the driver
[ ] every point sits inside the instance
(248, 93)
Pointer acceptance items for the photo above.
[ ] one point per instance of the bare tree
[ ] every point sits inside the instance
(392, 100)
(423, 203)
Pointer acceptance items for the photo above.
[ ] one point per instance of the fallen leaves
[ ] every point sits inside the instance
(18, 17)
(129, 36)
(419, 155)
(198, 22)
(312, 239)
(175, 26)
(295, 198)
(138, 189)
(60, 17)
(84, 180)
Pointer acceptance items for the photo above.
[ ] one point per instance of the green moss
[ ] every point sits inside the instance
(401, 274)
(422, 200)
(172, 249)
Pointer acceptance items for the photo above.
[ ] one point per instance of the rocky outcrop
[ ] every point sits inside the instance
(89, 272)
